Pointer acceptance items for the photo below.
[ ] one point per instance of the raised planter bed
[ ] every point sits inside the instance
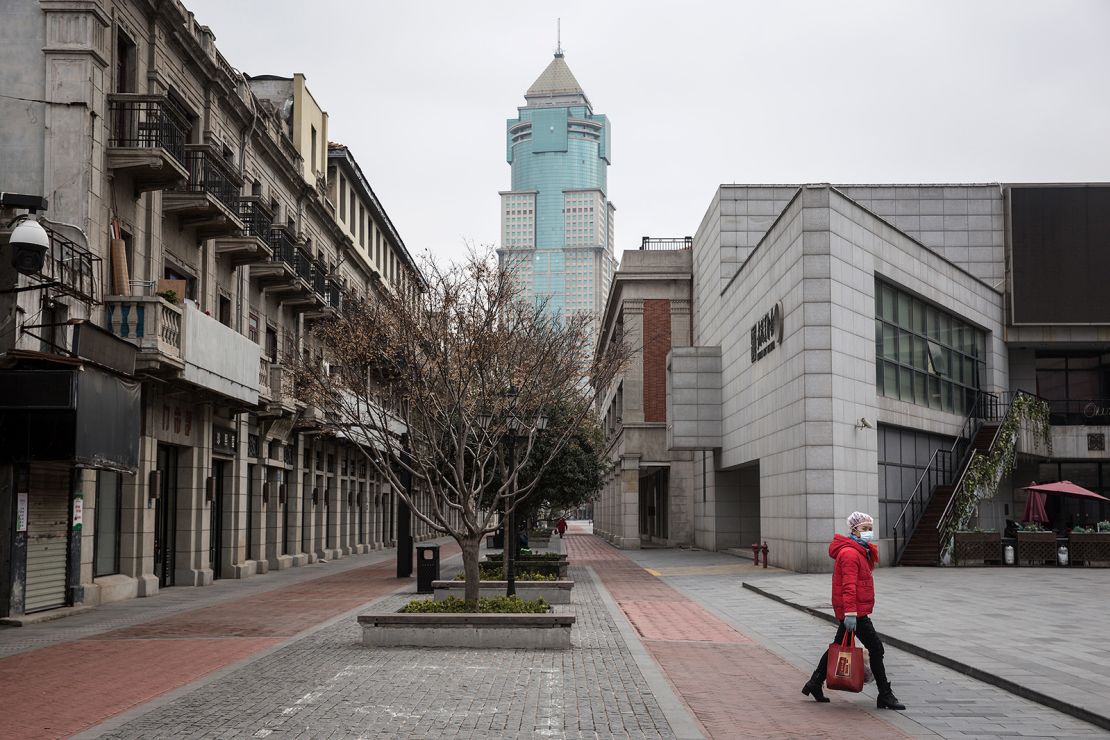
(1090, 548)
(978, 547)
(553, 592)
(1036, 547)
(534, 631)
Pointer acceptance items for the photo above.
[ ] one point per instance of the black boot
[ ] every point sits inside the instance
(813, 688)
(887, 700)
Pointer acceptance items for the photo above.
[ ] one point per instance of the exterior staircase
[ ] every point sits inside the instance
(923, 546)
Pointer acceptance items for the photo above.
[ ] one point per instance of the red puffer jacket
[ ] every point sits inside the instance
(853, 588)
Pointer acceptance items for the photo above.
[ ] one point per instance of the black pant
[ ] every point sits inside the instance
(865, 633)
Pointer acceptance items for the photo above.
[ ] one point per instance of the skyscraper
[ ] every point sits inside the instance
(557, 221)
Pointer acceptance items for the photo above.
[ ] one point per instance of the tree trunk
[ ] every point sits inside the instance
(470, 554)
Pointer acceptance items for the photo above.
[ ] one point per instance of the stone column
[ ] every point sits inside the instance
(195, 465)
(136, 557)
(628, 530)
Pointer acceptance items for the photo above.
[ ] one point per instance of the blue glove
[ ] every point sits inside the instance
(850, 622)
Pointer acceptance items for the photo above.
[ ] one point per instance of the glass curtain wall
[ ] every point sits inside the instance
(925, 355)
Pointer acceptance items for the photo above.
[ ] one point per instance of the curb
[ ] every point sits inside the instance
(968, 670)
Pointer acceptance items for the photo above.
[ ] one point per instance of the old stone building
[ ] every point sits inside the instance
(199, 225)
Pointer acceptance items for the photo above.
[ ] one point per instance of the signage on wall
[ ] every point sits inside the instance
(767, 332)
(224, 440)
(1094, 411)
(78, 512)
(174, 423)
(21, 512)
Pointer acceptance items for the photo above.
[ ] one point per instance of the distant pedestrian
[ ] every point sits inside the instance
(561, 526)
(853, 599)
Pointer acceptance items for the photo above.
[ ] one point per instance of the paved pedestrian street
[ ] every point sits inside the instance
(667, 644)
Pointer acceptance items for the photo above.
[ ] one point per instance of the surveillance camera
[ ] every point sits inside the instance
(863, 423)
(28, 242)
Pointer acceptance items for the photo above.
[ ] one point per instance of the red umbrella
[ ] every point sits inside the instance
(1034, 507)
(1063, 488)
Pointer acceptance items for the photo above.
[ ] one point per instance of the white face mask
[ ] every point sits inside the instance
(867, 535)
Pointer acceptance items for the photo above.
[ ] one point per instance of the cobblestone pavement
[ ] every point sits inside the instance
(940, 701)
(1043, 628)
(328, 685)
(65, 686)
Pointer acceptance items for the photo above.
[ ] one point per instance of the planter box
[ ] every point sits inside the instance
(1036, 547)
(978, 547)
(497, 557)
(1090, 548)
(532, 631)
(553, 592)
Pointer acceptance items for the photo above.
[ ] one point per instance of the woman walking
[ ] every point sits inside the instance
(853, 599)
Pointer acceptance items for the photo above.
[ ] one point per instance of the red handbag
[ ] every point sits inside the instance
(845, 667)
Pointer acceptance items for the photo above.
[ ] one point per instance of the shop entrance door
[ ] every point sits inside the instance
(165, 518)
(216, 521)
(47, 537)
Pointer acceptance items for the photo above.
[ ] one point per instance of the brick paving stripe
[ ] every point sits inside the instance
(735, 687)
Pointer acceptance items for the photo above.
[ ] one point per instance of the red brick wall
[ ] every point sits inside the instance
(657, 342)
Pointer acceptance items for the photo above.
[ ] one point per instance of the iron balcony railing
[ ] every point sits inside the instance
(209, 173)
(944, 467)
(672, 244)
(147, 122)
(302, 264)
(335, 293)
(319, 279)
(256, 217)
(283, 247)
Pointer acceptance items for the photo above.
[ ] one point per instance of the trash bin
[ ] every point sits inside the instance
(427, 567)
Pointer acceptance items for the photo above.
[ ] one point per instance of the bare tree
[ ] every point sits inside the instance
(431, 383)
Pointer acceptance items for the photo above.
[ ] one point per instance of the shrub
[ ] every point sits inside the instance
(527, 555)
(486, 605)
(1030, 527)
(496, 574)
(1082, 530)
(1103, 526)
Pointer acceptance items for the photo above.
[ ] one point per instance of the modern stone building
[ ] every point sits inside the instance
(557, 223)
(647, 497)
(841, 336)
(199, 225)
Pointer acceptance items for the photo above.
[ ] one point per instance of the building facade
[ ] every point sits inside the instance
(557, 223)
(647, 497)
(197, 234)
(842, 336)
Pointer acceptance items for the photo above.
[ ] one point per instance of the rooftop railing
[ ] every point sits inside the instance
(648, 243)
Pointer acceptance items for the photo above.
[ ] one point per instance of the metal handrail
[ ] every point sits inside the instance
(209, 173)
(147, 122)
(256, 217)
(945, 523)
(673, 243)
(937, 473)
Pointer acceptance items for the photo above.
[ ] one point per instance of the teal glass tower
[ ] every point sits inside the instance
(556, 221)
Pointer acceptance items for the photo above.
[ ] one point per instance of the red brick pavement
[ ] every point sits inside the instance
(733, 686)
(63, 689)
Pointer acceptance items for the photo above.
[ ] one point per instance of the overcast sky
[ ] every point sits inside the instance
(698, 93)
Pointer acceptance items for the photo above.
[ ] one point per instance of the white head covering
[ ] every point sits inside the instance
(857, 518)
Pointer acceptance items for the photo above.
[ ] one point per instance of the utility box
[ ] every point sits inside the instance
(427, 567)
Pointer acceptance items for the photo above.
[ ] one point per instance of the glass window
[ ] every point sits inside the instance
(109, 487)
(924, 342)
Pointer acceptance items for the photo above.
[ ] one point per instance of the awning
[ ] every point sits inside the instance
(1065, 488)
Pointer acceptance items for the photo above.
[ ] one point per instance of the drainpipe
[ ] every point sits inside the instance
(244, 136)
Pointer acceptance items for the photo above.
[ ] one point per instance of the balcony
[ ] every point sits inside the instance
(153, 325)
(146, 140)
(252, 244)
(279, 395)
(183, 343)
(209, 201)
(289, 273)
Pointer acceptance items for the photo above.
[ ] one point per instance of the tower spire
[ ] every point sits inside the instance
(559, 37)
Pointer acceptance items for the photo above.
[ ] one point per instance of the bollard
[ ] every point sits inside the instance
(755, 554)
(764, 548)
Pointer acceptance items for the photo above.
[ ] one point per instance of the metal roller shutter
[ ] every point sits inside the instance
(47, 537)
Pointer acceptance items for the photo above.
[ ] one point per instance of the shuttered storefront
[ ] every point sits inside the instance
(47, 537)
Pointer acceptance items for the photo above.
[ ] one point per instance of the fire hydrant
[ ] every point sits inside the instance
(755, 554)
(764, 548)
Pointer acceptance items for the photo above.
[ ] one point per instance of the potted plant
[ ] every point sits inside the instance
(1035, 544)
(1090, 546)
(978, 546)
(169, 296)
